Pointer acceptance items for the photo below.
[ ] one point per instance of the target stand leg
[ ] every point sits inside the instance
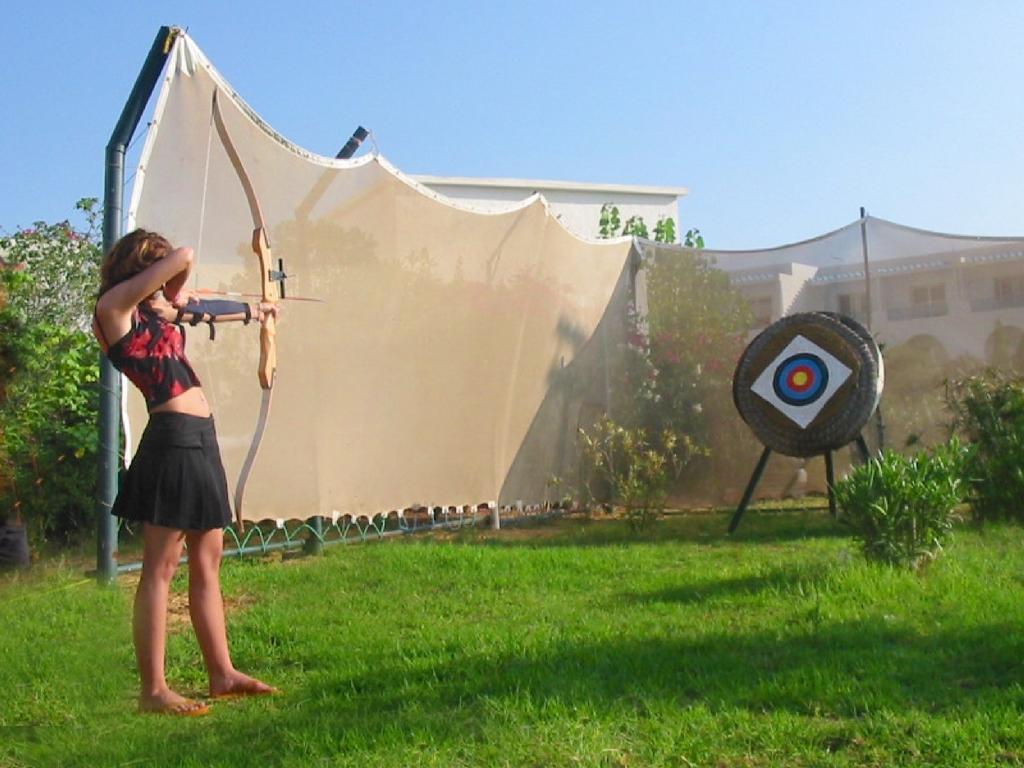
(754, 480)
(865, 454)
(830, 481)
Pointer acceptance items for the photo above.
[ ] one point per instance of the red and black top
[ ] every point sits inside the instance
(152, 356)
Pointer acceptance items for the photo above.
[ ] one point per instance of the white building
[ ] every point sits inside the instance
(576, 204)
(961, 296)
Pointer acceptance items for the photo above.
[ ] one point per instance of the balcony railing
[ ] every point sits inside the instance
(918, 311)
(992, 303)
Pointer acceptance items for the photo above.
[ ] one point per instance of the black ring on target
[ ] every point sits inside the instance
(800, 379)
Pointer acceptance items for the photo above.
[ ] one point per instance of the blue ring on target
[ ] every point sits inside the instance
(800, 379)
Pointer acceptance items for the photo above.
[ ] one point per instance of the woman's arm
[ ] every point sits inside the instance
(114, 308)
(189, 309)
(172, 270)
(172, 288)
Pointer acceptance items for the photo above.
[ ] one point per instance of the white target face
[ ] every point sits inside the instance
(801, 380)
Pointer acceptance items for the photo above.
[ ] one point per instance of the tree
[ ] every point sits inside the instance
(664, 231)
(697, 327)
(679, 359)
(49, 385)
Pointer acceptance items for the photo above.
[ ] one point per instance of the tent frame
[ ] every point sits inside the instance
(113, 228)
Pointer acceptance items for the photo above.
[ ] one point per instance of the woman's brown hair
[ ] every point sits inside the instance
(131, 255)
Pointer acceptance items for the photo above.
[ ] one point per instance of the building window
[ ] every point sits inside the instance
(1009, 291)
(925, 301)
(927, 295)
(852, 305)
(928, 300)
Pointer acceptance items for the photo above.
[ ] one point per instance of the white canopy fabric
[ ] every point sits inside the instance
(458, 352)
(885, 240)
(454, 350)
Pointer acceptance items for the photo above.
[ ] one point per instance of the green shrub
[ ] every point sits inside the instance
(903, 507)
(632, 470)
(988, 410)
(49, 379)
(48, 429)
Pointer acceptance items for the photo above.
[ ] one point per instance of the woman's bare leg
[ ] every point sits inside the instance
(206, 606)
(160, 555)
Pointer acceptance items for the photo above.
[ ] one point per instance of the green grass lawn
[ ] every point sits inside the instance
(573, 643)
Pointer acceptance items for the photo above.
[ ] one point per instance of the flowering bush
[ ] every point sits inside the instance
(49, 389)
(635, 470)
(63, 266)
(679, 360)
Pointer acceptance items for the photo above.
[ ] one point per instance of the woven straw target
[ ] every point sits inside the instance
(808, 383)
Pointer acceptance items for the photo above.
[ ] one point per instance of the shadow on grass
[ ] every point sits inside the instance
(842, 669)
(826, 670)
(709, 528)
(798, 580)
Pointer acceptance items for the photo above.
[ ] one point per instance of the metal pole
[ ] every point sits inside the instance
(315, 542)
(879, 421)
(352, 144)
(867, 269)
(110, 381)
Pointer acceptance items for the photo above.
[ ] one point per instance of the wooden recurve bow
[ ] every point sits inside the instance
(268, 347)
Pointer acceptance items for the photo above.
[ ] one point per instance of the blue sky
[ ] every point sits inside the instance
(782, 118)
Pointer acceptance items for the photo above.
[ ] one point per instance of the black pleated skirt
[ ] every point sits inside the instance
(176, 479)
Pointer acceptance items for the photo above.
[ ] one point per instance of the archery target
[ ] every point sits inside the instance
(801, 380)
(808, 383)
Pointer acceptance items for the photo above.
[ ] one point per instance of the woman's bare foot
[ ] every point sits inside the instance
(235, 684)
(167, 702)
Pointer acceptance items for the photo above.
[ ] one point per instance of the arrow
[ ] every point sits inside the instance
(212, 292)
